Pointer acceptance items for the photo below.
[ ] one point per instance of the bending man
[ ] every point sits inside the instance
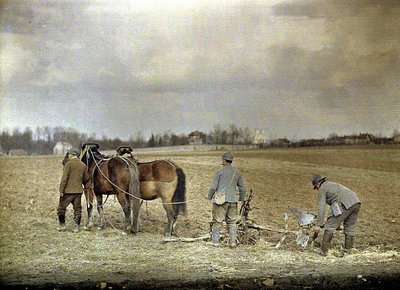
(345, 206)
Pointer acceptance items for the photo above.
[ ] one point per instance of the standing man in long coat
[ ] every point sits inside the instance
(74, 176)
(345, 206)
(226, 180)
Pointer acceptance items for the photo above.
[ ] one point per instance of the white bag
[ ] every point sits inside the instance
(219, 197)
(336, 209)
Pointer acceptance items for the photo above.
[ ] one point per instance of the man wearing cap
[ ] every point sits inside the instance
(74, 176)
(225, 181)
(345, 206)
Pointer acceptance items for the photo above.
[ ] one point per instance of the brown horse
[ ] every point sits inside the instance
(161, 179)
(158, 179)
(109, 176)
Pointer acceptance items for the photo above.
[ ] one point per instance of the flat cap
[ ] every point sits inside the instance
(74, 151)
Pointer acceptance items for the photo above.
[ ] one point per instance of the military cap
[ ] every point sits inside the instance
(227, 156)
(317, 179)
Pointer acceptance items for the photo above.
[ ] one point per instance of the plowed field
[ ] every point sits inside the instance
(34, 255)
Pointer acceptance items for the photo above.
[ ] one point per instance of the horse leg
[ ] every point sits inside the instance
(89, 207)
(171, 217)
(123, 201)
(99, 199)
(135, 207)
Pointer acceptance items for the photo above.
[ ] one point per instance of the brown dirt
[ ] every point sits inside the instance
(34, 255)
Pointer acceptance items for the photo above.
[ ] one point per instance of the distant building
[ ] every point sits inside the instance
(313, 142)
(61, 148)
(361, 139)
(396, 138)
(260, 137)
(384, 140)
(195, 138)
(336, 140)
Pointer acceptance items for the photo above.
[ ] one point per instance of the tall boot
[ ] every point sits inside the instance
(77, 223)
(61, 220)
(348, 245)
(232, 235)
(216, 232)
(326, 240)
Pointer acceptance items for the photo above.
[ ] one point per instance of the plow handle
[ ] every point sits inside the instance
(315, 236)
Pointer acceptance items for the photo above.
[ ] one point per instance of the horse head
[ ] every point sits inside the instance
(121, 150)
(126, 151)
(90, 152)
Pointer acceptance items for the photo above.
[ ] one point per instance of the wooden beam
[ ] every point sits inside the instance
(186, 240)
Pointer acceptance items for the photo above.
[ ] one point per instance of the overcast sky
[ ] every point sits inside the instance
(296, 69)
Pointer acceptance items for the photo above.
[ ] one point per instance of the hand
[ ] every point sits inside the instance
(317, 229)
(61, 194)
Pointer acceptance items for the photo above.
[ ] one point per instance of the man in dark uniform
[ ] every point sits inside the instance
(345, 206)
(74, 176)
(226, 180)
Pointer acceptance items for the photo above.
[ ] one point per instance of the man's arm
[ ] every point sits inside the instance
(242, 189)
(214, 186)
(321, 208)
(64, 178)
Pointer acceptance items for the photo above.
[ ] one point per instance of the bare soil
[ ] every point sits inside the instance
(34, 255)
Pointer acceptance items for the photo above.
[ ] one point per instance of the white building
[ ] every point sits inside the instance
(61, 148)
(260, 137)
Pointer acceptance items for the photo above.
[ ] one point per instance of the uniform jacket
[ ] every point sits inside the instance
(329, 192)
(74, 175)
(222, 182)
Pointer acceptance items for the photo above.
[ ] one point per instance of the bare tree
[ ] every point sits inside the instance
(217, 134)
(233, 134)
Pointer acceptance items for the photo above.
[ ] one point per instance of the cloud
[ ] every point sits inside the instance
(257, 64)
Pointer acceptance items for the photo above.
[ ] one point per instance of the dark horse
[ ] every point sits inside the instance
(109, 176)
(158, 179)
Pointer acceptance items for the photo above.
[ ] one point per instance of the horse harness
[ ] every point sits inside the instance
(127, 161)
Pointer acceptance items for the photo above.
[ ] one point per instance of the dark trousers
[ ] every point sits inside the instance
(348, 218)
(66, 199)
(226, 212)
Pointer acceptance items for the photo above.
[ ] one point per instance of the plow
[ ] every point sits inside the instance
(249, 231)
(305, 221)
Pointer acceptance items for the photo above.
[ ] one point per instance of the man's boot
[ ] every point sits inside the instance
(348, 245)
(77, 222)
(216, 232)
(232, 235)
(326, 240)
(61, 220)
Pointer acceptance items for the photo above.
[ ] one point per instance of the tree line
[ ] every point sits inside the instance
(41, 140)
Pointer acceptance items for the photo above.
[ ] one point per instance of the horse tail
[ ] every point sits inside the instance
(180, 193)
